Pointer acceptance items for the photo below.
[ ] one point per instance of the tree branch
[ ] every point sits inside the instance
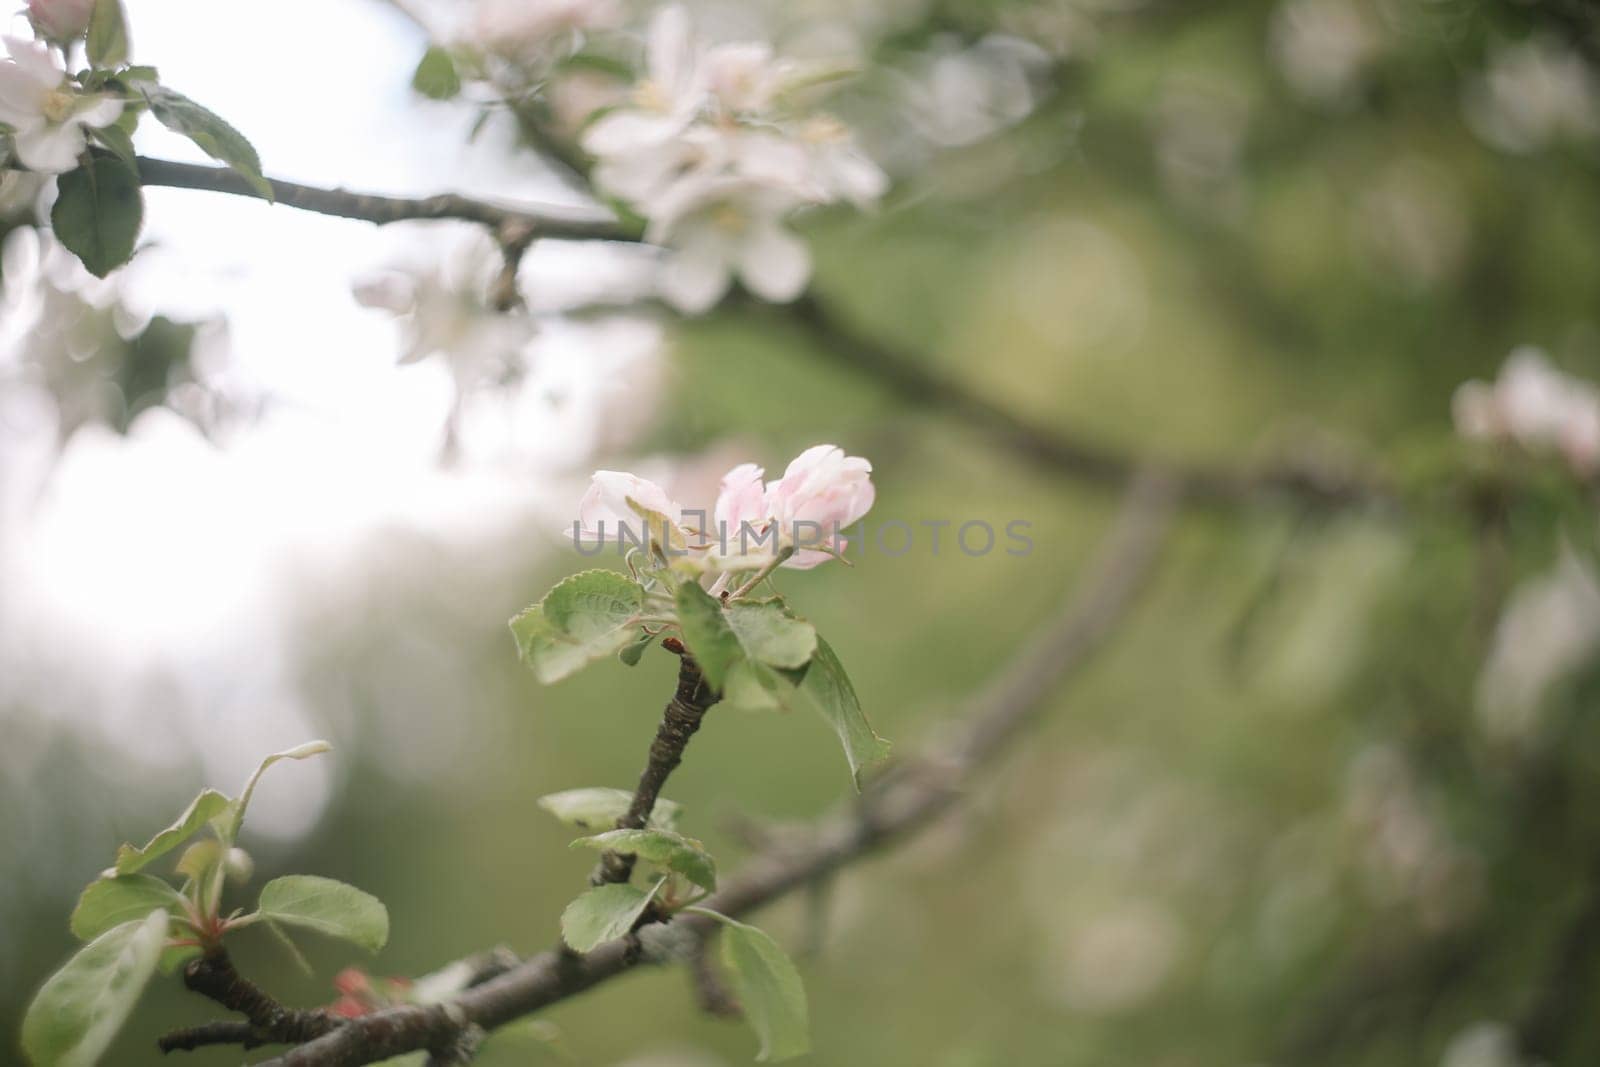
(908, 375)
(679, 722)
(221, 1032)
(506, 223)
(891, 807)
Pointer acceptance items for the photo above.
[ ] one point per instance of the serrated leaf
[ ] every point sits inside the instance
(769, 989)
(599, 808)
(79, 1010)
(770, 635)
(706, 631)
(107, 44)
(584, 618)
(827, 690)
(209, 131)
(110, 902)
(229, 826)
(667, 850)
(328, 907)
(436, 76)
(603, 914)
(98, 211)
(201, 810)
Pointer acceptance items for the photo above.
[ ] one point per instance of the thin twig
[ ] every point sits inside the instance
(504, 222)
(221, 1032)
(889, 809)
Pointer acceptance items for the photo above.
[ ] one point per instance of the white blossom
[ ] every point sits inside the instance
(712, 151)
(526, 28)
(720, 228)
(1533, 94)
(1535, 406)
(46, 115)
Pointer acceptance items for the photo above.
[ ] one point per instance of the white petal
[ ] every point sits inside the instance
(696, 277)
(21, 98)
(103, 112)
(669, 48)
(623, 132)
(50, 149)
(774, 263)
(34, 60)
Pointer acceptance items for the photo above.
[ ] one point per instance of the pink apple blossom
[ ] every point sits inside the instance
(605, 511)
(60, 20)
(822, 492)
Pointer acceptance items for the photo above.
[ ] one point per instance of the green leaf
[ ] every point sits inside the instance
(827, 689)
(769, 989)
(630, 655)
(201, 810)
(753, 685)
(436, 76)
(208, 130)
(117, 140)
(770, 635)
(667, 850)
(599, 808)
(98, 211)
(107, 45)
(110, 902)
(584, 618)
(328, 907)
(229, 827)
(707, 633)
(603, 914)
(173, 957)
(81, 1007)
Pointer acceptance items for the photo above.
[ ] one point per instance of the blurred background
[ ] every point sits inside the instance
(1329, 796)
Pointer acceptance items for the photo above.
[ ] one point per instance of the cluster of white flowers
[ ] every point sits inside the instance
(716, 150)
(44, 114)
(1535, 406)
(794, 521)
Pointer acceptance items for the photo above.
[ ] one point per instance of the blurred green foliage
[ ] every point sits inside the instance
(1267, 825)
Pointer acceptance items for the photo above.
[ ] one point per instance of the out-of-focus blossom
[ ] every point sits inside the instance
(722, 227)
(60, 20)
(1550, 629)
(1323, 47)
(1200, 130)
(1408, 854)
(525, 29)
(1483, 1044)
(668, 98)
(1534, 93)
(1535, 406)
(714, 151)
(444, 310)
(962, 95)
(1414, 218)
(46, 116)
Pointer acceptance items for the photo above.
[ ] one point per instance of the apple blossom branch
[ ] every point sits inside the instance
(891, 807)
(833, 338)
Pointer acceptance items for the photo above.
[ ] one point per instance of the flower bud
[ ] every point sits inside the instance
(239, 865)
(822, 491)
(60, 20)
